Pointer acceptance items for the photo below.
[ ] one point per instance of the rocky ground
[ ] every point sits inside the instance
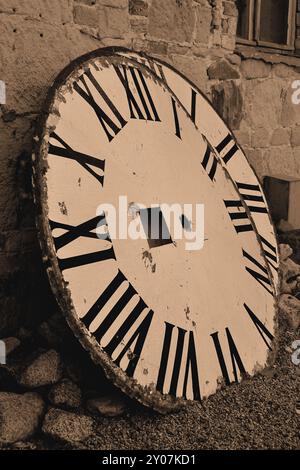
(53, 397)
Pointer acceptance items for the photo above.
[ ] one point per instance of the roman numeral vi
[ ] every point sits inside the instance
(189, 363)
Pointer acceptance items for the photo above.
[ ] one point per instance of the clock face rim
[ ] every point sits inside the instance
(147, 396)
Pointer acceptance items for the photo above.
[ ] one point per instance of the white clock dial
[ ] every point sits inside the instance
(166, 321)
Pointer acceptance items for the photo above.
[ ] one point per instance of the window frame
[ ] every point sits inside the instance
(254, 28)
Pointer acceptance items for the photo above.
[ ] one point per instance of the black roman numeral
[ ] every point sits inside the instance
(86, 161)
(176, 120)
(190, 363)
(155, 68)
(235, 357)
(260, 276)
(71, 234)
(110, 127)
(139, 334)
(143, 92)
(229, 153)
(210, 161)
(270, 253)
(255, 202)
(261, 328)
(193, 105)
(238, 215)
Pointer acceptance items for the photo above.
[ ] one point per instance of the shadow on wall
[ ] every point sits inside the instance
(25, 295)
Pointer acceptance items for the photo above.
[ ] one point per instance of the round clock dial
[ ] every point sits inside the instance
(230, 154)
(153, 254)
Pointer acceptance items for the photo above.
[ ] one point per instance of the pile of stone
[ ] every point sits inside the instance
(50, 387)
(289, 299)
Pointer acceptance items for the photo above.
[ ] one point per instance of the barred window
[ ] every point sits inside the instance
(269, 23)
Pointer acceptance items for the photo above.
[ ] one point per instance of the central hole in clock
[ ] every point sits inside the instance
(155, 227)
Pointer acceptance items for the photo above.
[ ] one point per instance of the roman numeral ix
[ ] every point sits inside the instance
(129, 326)
(189, 363)
(72, 233)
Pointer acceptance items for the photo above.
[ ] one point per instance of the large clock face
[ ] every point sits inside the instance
(231, 156)
(169, 318)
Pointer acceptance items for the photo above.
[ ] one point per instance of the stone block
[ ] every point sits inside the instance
(203, 21)
(87, 15)
(66, 426)
(19, 416)
(280, 136)
(172, 21)
(263, 103)
(260, 138)
(113, 3)
(227, 100)
(139, 24)
(113, 22)
(257, 160)
(138, 7)
(222, 70)
(230, 9)
(252, 68)
(295, 137)
(194, 69)
(243, 136)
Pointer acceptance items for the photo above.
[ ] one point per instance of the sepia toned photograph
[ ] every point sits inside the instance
(149, 230)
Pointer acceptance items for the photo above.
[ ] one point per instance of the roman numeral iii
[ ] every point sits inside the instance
(170, 372)
(253, 197)
(130, 325)
(227, 148)
(239, 216)
(270, 253)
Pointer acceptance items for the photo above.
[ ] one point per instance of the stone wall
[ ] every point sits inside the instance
(40, 37)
